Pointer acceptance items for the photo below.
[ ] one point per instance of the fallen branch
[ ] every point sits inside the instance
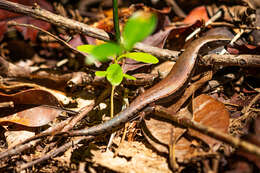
(232, 60)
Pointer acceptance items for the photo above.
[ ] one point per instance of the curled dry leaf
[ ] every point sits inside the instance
(27, 114)
(32, 117)
(30, 108)
(210, 113)
(30, 97)
(199, 13)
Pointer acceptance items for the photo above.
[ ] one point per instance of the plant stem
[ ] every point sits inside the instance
(112, 101)
(116, 20)
(112, 115)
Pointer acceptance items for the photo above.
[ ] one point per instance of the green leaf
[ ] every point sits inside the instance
(87, 48)
(114, 74)
(101, 73)
(137, 28)
(140, 56)
(129, 77)
(103, 51)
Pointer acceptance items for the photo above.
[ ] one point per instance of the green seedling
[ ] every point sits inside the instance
(138, 27)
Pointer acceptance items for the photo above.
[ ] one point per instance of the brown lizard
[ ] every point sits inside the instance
(171, 85)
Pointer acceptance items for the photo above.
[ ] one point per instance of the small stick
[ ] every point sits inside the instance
(237, 36)
(13, 23)
(110, 142)
(212, 19)
(176, 8)
(246, 109)
(53, 153)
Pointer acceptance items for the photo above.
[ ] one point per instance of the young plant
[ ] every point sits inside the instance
(137, 28)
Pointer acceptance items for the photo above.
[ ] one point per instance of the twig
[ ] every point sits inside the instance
(188, 123)
(176, 8)
(234, 39)
(212, 19)
(245, 118)
(83, 112)
(53, 153)
(246, 109)
(13, 23)
(232, 60)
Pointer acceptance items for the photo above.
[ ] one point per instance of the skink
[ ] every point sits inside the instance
(171, 85)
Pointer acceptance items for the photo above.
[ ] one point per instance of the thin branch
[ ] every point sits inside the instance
(53, 153)
(13, 23)
(176, 8)
(216, 16)
(232, 60)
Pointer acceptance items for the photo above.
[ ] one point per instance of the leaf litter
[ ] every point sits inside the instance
(46, 92)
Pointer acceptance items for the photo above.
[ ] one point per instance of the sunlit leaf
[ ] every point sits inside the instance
(114, 74)
(31, 97)
(32, 117)
(211, 113)
(140, 56)
(137, 28)
(129, 77)
(101, 73)
(87, 48)
(103, 51)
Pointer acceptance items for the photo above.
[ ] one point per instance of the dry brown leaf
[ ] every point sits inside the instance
(31, 97)
(15, 137)
(30, 108)
(132, 157)
(211, 113)
(159, 134)
(32, 117)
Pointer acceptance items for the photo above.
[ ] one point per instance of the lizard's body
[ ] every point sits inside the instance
(172, 84)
